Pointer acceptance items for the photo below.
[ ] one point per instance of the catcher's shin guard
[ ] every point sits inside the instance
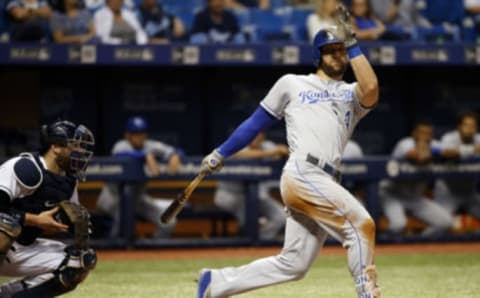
(10, 229)
(73, 270)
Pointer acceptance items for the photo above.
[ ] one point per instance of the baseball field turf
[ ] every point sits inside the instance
(409, 272)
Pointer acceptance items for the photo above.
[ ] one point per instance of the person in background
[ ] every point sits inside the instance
(230, 196)
(366, 25)
(398, 197)
(118, 25)
(322, 18)
(160, 26)
(29, 19)
(71, 24)
(462, 143)
(472, 6)
(243, 4)
(137, 145)
(472, 9)
(402, 18)
(353, 151)
(215, 24)
(386, 10)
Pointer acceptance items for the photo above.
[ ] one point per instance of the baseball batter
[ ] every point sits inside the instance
(136, 145)
(401, 196)
(31, 185)
(230, 195)
(464, 142)
(320, 112)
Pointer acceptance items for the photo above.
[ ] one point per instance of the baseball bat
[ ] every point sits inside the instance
(176, 206)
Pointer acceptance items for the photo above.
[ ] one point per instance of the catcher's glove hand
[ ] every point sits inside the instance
(77, 218)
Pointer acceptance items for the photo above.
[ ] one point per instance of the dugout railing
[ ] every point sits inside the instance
(369, 171)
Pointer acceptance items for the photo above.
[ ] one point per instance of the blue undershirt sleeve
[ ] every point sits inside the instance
(246, 132)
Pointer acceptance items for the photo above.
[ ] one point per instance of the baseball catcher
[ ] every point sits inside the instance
(38, 197)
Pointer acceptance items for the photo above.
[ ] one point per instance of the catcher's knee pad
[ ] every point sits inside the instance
(10, 229)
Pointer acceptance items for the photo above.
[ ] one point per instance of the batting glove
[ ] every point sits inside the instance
(344, 26)
(212, 163)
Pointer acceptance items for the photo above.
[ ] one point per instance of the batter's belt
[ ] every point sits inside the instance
(330, 170)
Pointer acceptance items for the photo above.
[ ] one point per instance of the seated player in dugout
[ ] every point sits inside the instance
(459, 194)
(231, 196)
(136, 144)
(401, 196)
(353, 151)
(37, 191)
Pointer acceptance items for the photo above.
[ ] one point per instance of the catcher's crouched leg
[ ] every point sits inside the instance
(71, 272)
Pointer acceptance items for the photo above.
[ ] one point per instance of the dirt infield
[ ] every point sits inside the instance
(213, 253)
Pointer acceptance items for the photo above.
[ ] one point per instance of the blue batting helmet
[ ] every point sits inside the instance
(322, 38)
(136, 124)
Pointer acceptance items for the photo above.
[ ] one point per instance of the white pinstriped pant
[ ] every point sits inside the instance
(318, 206)
(35, 262)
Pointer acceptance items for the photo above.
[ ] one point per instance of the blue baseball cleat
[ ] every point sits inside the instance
(204, 280)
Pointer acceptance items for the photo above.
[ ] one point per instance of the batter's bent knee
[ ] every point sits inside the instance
(368, 228)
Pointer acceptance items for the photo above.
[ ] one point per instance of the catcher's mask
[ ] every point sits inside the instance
(78, 138)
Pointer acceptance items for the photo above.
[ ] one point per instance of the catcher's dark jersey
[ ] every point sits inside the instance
(34, 194)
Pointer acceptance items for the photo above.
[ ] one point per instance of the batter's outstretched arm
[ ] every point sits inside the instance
(241, 137)
(367, 87)
(246, 132)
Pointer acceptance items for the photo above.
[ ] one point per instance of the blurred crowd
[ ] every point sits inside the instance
(233, 21)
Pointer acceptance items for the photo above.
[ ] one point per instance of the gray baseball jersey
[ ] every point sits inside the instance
(320, 115)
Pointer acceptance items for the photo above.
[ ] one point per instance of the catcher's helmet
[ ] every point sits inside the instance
(322, 38)
(81, 139)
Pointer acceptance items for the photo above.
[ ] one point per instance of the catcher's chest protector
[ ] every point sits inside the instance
(54, 188)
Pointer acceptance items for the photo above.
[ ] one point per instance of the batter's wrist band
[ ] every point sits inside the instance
(354, 52)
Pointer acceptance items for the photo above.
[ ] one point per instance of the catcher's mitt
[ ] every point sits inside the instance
(78, 220)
